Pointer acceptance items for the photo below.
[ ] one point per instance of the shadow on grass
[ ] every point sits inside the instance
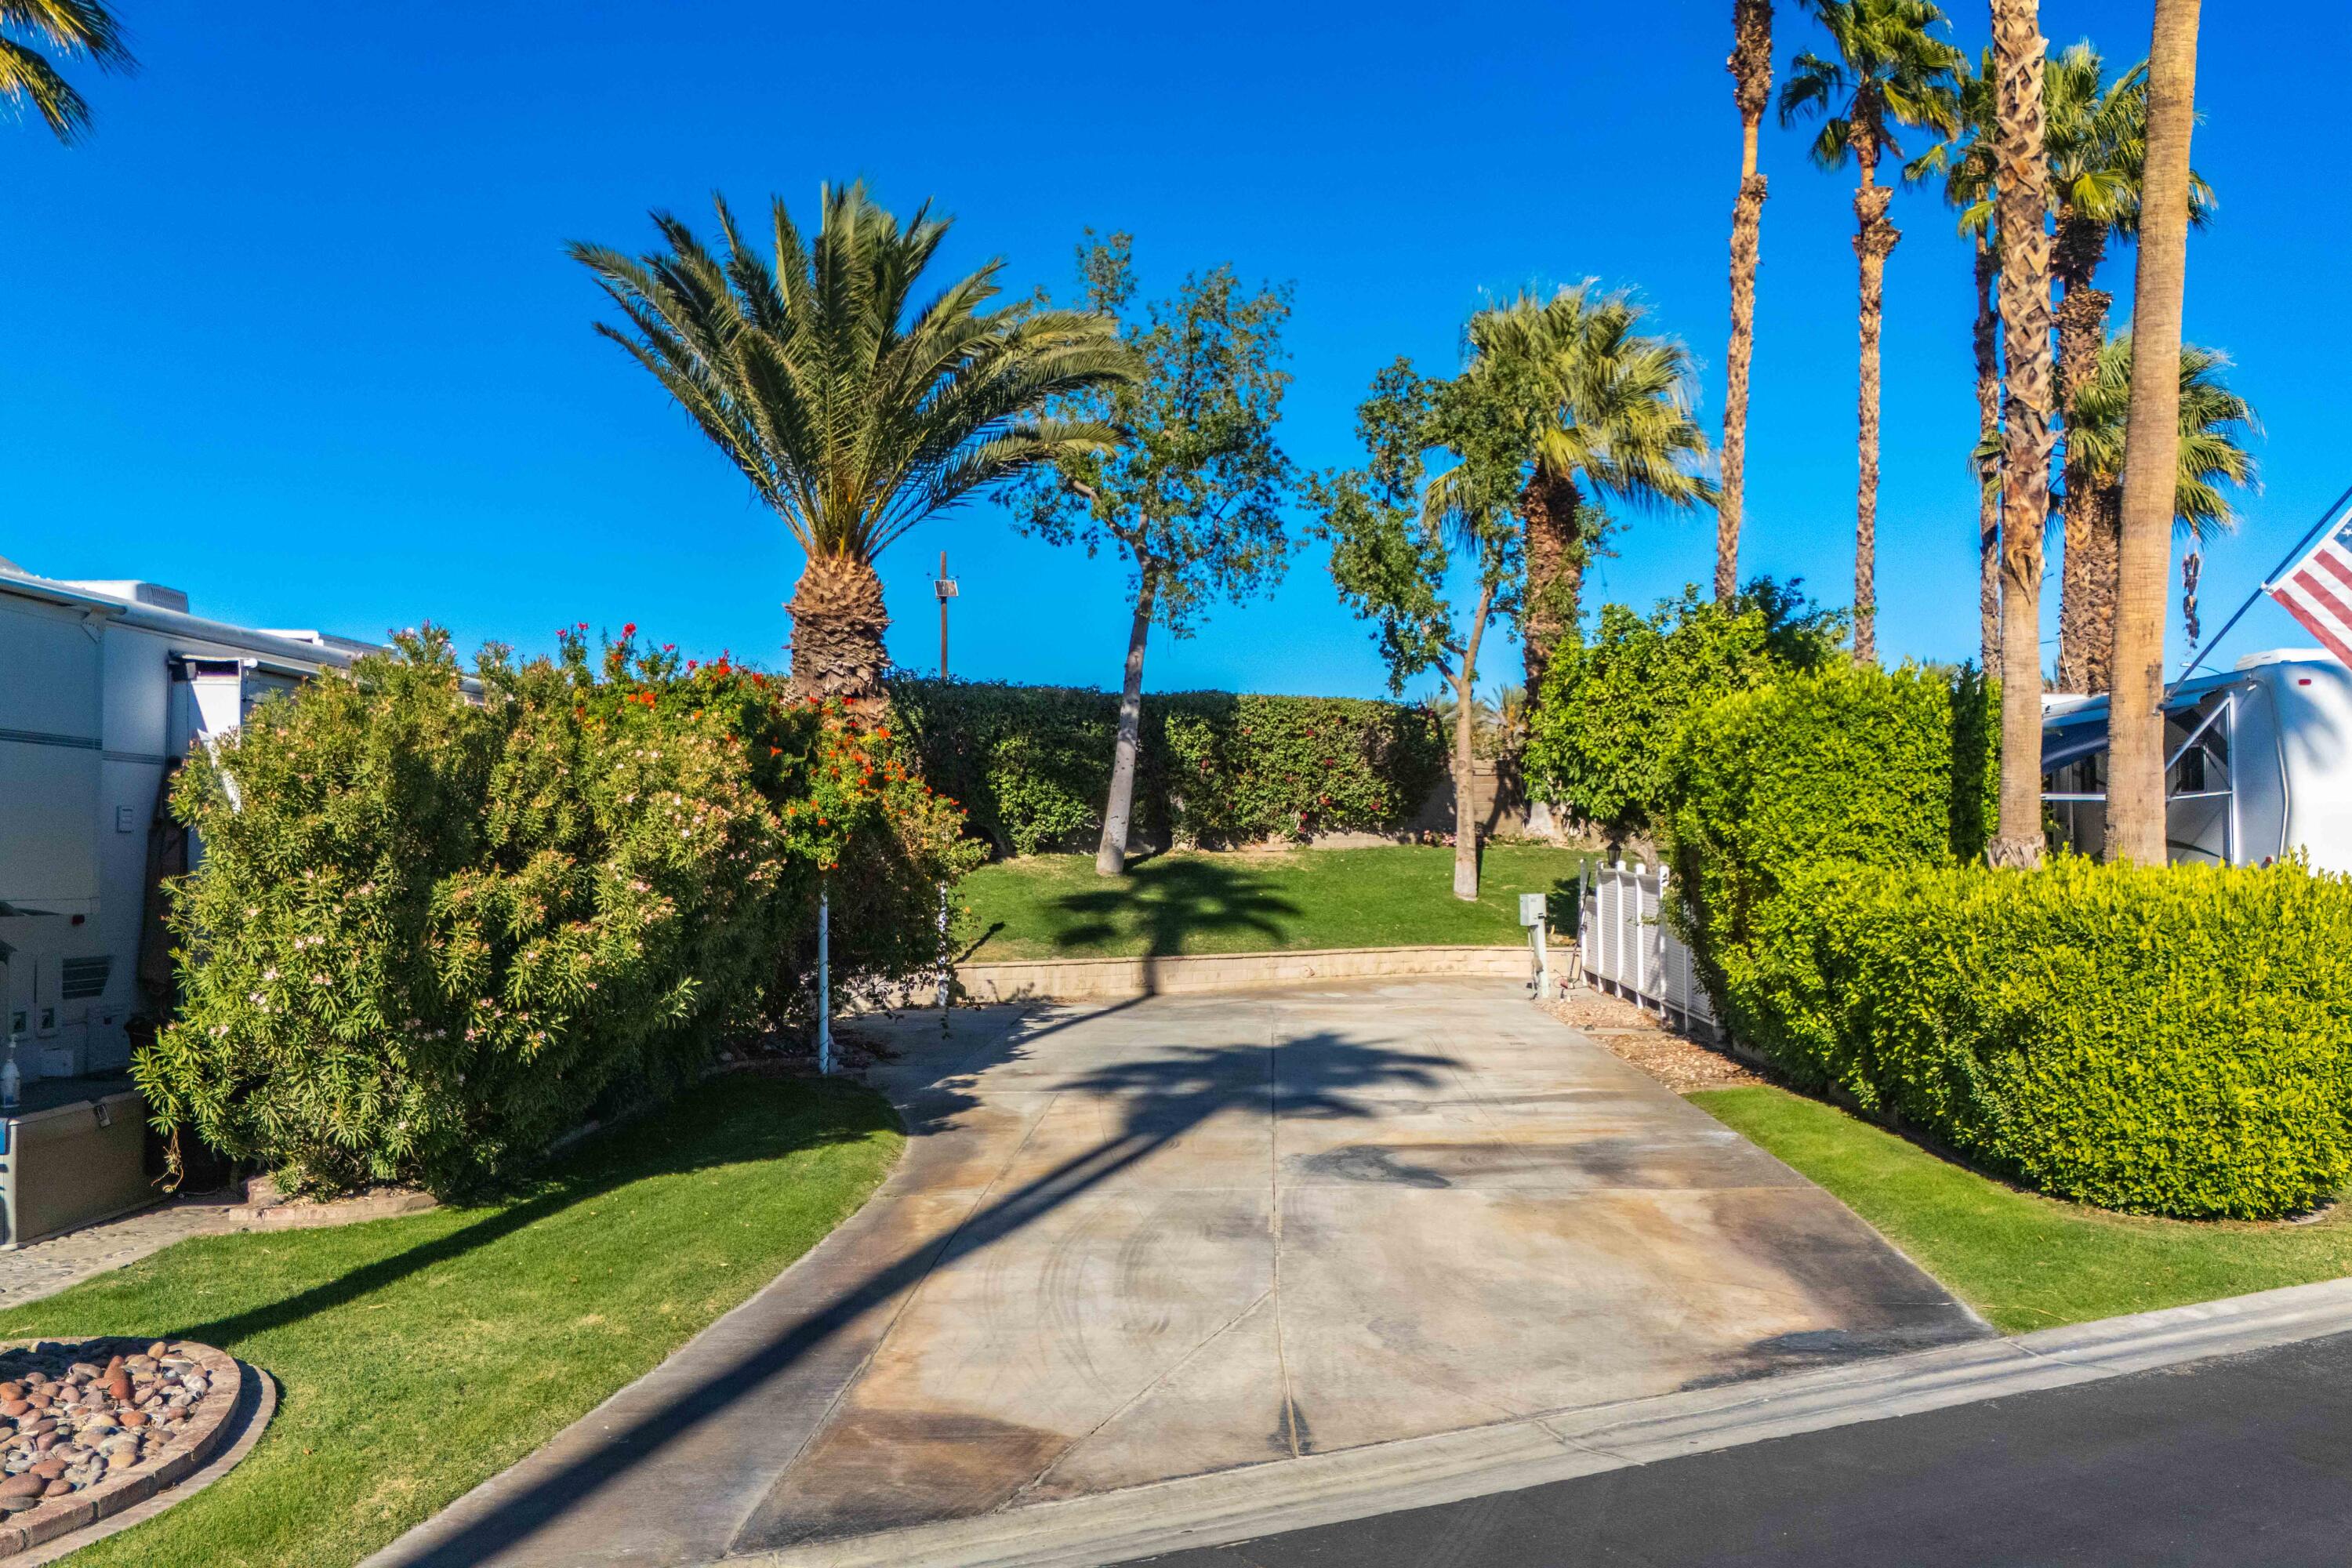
(1171, 898)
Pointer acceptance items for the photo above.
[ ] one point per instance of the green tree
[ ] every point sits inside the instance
(855, 413)
(1396, 534)
(1192, 493)
(1886, 70)
(72, 29)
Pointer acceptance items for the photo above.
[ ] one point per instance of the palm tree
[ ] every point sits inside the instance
(1751, 73)
(1966, 162)
(850, 413)
(1606, 409)
(2212, 453)
(2098, 142)
(75, 30)
(2022, 181)
(2136, 816)
(1887, 71)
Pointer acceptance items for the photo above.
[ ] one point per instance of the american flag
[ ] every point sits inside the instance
(2317, 589)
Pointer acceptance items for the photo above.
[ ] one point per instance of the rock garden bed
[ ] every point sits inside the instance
(88, 1427)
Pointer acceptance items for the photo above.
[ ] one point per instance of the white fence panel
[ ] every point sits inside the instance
(1628, 949)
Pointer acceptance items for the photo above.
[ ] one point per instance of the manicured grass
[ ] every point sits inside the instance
(418, 1355)
(1054, 906)
(2026, 1261)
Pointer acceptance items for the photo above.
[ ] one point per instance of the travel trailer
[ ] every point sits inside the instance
(104, 687)
(2258, 764)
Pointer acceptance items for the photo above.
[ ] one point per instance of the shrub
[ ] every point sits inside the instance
(1602, 738)
(2167, 1040)
(429, 930)
(1032, 763)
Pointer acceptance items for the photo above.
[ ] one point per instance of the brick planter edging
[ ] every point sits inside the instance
(182, 1455)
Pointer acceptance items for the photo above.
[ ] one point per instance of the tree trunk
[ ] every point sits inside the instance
(2086, 590)
(1466, 757)
(1111, 857)
(2024, 174)
(1751, 72)
(1988, 347)
(837, 625)
(1554, 547)
(1874, 239)
(2151, 447)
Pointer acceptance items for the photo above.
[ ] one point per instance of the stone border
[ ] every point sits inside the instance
(181, 1458)
(1121, 979)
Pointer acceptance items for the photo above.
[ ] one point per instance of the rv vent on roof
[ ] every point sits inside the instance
(151, 593)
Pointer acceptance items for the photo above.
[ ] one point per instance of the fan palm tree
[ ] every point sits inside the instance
(2214, 424)
(1606, 409)
(2136, 816)
(1886, 70)
(2097, 137)
(72, 29)
(853, 413)
(2022, 182)
(1751, 74)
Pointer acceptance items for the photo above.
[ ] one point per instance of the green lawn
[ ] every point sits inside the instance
(1054, 906)
(2024, 1261)
(419, 1355)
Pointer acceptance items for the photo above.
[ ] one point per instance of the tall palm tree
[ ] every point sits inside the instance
(853, 413)
(1966, 164)
(2097, 143)
(1751, 74)
(1886, 70)
(2021, 184)
(73, 29)
(1606, 410)
(2214, 422)
(2136, 816)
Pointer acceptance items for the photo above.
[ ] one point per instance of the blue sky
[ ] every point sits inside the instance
(294, 331)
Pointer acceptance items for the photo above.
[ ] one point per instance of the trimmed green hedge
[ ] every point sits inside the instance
(2172, 1040)
(1032, 763)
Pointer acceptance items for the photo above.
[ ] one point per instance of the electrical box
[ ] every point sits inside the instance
(1531, 908)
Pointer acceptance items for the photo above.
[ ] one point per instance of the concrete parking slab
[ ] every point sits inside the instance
(1188, 1235)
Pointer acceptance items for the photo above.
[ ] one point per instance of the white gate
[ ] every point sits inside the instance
(1629, 952)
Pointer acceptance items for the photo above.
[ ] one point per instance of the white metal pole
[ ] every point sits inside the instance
(947, 972)
(823, 980)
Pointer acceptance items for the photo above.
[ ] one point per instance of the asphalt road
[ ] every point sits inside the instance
(2243, 1459)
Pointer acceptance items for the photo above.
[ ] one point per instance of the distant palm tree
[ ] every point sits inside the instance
(73, 29)
(2135, 797)
(1886, 70)
(1751, 74)
(854, 414)
(1607, 411)
(2212, 453)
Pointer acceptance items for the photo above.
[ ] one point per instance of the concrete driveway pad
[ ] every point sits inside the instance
(1141, 1241)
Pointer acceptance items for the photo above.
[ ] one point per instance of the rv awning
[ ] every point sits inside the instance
(2083, 733)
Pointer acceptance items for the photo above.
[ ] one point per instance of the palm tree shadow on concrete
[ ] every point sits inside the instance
(1167, 898)
(1164, 1095)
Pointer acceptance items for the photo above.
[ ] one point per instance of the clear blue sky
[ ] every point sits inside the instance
(294, 331)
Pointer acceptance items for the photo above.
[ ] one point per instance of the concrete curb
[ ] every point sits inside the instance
(1121, 979)
(1325, 1489)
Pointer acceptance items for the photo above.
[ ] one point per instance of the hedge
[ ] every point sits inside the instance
(2171, 1040)
(1032, 763)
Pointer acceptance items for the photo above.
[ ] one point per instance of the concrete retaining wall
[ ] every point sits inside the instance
(1110, 979)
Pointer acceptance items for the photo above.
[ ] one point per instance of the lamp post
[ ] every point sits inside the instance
(946, 588)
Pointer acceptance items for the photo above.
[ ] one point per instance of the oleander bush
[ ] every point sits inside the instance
(1032, 763)
(434, 927)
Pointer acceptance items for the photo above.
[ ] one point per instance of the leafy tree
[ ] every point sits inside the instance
(853, 411)
(1191, 493)
(1396, 533)
(1604, 732)
(1886, 70)
(73, 29)
(1751, 74)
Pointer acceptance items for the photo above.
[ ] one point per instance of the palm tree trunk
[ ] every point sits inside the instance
(2151, 447)
(1110, 856)
(1751, 71)
(1987, 348)
(1874, 239)
(1554, 548)
(1466, 756)
(2086, 590)
(837, 626)
(2023, 176)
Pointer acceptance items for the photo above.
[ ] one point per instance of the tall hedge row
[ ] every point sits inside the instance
(1032, 763)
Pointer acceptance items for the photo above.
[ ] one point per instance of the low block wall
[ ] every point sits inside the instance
(1088, 979)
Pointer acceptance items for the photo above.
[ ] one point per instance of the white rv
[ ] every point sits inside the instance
(103, 688)
(2258, 764)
